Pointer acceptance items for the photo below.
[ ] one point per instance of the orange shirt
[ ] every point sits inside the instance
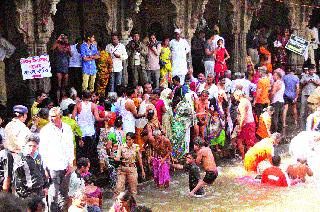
(274, 176)
(264, 125)
(262, 94)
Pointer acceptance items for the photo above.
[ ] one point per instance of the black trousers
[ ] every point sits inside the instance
(276, 120)
(89, 150)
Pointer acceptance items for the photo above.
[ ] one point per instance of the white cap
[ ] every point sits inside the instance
(177, 31)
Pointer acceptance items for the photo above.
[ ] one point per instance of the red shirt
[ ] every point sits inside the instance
(274, 176)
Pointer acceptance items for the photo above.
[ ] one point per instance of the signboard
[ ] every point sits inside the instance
(35, 67)
(297, 45)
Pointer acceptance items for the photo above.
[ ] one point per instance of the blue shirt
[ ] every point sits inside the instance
(89, 67)
(291, 82)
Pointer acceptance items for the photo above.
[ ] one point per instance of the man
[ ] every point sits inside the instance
(6, 50)
(76, 181)
(262, 94)
(153, 66)
(217, 37)
(210, 87)
(89, 53)
(299, 170)
(147, 88)
(316, 47)
(75, 65)
(130, 113)
(57, 151)
(197, 52)
(29, 173)
(274, 175)
(87, 113)
(16, 134)
(309, 83)
(16, 131)
(247, 127)
(291, 94)
(205, 156)
(277, 102)
(137, 52)
(209, 55)
(118, 53)
(40, 96)
(179, 50)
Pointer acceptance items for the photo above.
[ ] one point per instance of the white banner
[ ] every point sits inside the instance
(35, 67)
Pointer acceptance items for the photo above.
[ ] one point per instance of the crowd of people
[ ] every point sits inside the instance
(165, 118)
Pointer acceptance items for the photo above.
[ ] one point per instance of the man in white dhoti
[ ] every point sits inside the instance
(179, 50)
(6, 50)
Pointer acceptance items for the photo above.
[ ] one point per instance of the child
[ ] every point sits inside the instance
(194, 172)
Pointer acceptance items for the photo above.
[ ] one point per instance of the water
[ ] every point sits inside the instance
(229, 194)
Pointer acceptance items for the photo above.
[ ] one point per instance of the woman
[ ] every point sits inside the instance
(125, 203)
(264, 125)
(104, 65)
(61, 54)
(161, 160)
(165, 63)
(127, 172)
(214, 131)
(182, 121)
(221, 56)
(166, 96)
(93, 194)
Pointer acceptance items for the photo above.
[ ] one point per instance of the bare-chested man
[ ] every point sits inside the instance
(205, 156)
(201, 107)
(299, 170)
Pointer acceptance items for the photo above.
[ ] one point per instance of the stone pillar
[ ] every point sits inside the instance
(243, 52)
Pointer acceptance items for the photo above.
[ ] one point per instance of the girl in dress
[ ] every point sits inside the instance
(221, 55)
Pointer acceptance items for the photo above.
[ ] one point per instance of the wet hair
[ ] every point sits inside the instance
(127, 197)
(276, 160)
(150, 114)
(9, 202)
(142, 208)
(118, 122)
(209, 35)
(33, 203)
(131, 135)
(176, 78)
(82, 162)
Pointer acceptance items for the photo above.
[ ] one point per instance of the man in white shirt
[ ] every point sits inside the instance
(118, 54)
(179, 50)
(153, 66)
(6, 50)
(75, 64)
(217, 37)
(57, 151)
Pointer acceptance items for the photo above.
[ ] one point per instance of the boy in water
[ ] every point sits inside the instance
(194, 172)
(300, 170)
(204, 156)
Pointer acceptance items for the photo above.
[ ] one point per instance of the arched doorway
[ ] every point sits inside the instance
(16, 89)
(268, 23)
(76, 18)
(155, 16)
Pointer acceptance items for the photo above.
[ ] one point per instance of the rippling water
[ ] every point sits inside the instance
(229, 193)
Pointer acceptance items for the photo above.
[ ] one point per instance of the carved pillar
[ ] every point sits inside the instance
(235, 22)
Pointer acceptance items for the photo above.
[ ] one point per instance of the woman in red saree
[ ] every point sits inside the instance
(220, 65)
